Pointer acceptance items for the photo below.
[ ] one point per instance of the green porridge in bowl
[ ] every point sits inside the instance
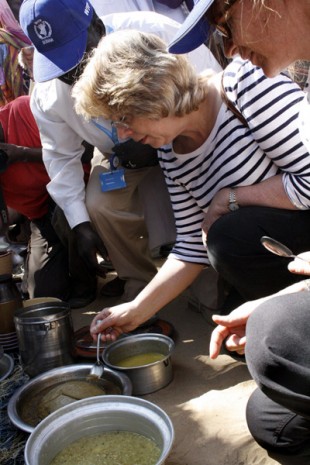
(140, 360)
(110, 448)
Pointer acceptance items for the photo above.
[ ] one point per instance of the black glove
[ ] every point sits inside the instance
(88, 152)
(89, 244)
(134, 155)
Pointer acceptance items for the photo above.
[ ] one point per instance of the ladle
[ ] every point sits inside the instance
(278, 248)
(97, 369)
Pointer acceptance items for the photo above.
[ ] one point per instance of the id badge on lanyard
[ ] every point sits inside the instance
(115, 179)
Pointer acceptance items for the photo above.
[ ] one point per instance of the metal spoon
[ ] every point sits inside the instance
(278, 248)
(97, 369)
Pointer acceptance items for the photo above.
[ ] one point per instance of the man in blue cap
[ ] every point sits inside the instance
(117, 211)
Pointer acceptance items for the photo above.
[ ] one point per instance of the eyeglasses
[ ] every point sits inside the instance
(221, 23)
(120, 123)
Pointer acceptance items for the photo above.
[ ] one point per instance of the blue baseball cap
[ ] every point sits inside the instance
(194, 31)
(58, 32)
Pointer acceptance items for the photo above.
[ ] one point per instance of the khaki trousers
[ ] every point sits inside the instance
(131, 221)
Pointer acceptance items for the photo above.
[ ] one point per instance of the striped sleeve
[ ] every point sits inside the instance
(271, 107)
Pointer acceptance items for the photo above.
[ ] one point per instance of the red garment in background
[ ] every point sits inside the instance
(13, 81)
(23, 183)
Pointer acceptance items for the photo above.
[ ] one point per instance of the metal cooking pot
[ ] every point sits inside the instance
(22, 407)
(96, 415)
(45, 336)
(146, 378)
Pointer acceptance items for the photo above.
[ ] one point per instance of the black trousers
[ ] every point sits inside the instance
(236, 253)
(53, 265)
(278, 358)
(83, 281)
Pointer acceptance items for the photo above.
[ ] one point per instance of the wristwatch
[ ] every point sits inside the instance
(232, 203)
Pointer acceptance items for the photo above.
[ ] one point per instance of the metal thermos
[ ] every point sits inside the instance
(45, 336)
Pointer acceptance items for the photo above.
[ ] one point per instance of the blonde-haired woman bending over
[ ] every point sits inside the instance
(247, 176)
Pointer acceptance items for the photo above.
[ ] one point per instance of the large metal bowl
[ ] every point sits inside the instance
(23, 405)
(144, 378)
(96, 415)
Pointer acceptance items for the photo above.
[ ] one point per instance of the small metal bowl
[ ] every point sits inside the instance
(145, 378)
(23, 405)
(97, 415)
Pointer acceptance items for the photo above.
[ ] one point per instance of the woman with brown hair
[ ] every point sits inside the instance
(272, 331)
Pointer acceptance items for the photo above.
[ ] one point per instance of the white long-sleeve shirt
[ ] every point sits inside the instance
(62, 130)
(106, 7)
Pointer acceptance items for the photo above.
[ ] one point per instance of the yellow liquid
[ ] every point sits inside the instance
(140, 360)
(114, 448)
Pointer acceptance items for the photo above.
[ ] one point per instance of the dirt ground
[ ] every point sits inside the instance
(206, 400)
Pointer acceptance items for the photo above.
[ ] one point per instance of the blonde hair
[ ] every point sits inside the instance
(132, 74)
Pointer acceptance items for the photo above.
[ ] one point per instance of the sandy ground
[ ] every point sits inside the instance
(206, 400)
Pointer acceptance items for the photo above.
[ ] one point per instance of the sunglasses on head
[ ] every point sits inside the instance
(220, 22)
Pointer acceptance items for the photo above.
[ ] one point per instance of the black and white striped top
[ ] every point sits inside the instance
(236, 155)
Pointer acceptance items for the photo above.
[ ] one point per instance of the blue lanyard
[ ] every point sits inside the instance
(113, 160)
(111, 134)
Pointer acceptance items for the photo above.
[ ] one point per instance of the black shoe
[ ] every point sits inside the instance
(107, 265)
(114, 288)
(83, 301)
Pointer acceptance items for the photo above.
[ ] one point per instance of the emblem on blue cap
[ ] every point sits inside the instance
(58, 30)
(43, 29)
